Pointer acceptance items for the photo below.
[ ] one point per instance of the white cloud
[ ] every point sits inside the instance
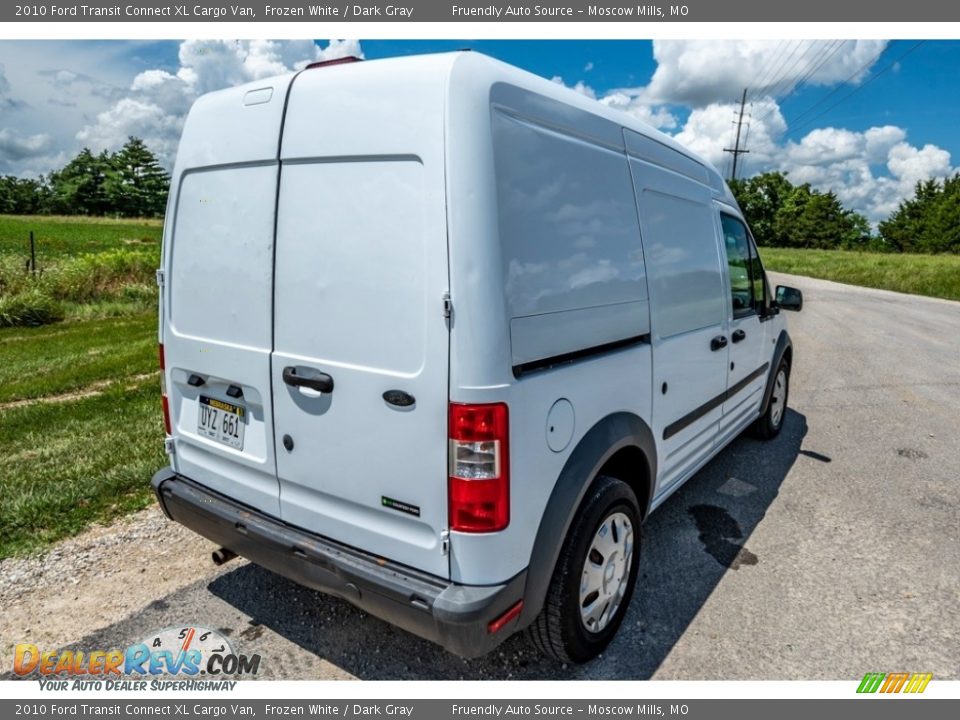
(71, 81)
(16, 146)
(912, 165)
(7, 102)
(157, 101)
(581, 87)
(157, 126)
(588, 67)
(700, 72)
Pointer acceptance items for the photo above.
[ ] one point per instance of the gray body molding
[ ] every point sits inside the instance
(783, 344)
(612, 434)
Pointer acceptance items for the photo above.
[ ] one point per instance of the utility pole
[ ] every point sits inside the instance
(737, 152)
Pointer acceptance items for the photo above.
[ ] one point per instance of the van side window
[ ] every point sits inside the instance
(743, 289)
(760, 294)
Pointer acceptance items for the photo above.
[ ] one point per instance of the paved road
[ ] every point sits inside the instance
(832, 551)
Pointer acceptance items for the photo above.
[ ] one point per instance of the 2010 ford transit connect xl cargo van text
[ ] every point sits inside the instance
(437, 335)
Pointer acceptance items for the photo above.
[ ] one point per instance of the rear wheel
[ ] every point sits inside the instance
(595, 575)
(769, 424)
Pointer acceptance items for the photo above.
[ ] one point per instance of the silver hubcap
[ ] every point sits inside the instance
(777, 401)
(606, 572)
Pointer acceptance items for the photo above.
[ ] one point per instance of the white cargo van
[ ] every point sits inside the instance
(437, 335)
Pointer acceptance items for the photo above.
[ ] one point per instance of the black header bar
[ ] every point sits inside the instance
(735, 11)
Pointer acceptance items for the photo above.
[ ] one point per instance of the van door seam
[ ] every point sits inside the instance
(273, 291)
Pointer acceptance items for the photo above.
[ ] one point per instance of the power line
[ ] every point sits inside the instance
(837, 44)
(828, 53)
(804, 71)
(767, 74)
(775, 77)
(841, 85)
(857, 89)
(786, 78)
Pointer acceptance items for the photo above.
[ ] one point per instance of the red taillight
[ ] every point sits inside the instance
(163, 392)
(335, 61)
(479, 483)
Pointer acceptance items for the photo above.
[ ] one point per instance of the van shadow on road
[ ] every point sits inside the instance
(697, 536)
(689, 544)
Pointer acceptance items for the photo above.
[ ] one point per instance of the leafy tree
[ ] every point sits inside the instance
(857, 234)
(23, 196)
(928, 222)
(136, 185)
(128, 183)
(78, 189)
(760, 198)
(812, 219)
(905, 228)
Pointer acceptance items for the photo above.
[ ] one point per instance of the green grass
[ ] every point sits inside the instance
(80, 423)
(57, 236)
(98, 273)
(68, 357)
(64, 466)
(931, 275)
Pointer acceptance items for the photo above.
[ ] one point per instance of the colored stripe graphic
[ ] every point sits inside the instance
(871, 682)
(918, 682)
(894, 682)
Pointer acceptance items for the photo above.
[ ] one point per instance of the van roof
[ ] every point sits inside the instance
(484, 71)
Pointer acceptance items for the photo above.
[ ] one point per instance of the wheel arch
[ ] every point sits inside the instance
(620, 445)
(784, 349)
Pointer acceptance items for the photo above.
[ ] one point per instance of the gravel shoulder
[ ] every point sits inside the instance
(89, 581)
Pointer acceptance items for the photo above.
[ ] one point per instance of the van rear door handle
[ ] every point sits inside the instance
(738, 335)
(718, 343)
(321, 382)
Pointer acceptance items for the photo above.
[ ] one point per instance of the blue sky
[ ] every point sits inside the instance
(850, 116)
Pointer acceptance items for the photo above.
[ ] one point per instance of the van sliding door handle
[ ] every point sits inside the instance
(321, 382)
(718, 343)
(738, 335)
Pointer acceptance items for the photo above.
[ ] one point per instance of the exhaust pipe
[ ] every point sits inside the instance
(222, 555)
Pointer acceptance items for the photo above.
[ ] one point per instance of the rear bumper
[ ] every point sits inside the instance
(454, 616)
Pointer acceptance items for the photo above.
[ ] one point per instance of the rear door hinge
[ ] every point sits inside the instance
(160, 277)
(444, 542)
(447, 305)
(169, 447)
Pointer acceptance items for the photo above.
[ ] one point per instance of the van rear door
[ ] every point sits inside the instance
(216, 321)
(360, 377)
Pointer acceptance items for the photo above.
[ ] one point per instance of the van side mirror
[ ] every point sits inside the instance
(789, 298)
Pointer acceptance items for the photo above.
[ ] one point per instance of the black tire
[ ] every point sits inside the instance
(768, 425)
(560, 631)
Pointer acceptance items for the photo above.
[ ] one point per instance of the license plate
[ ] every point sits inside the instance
(221, 421)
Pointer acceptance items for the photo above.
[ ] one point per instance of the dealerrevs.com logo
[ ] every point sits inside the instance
(175, 658)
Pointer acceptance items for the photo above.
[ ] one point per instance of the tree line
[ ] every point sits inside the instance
(127, 183)
(782, 214)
